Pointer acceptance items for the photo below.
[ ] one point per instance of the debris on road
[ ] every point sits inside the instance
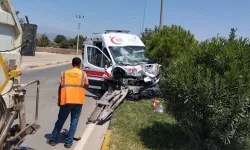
(159, 109)
(157, 106)
(155, 103)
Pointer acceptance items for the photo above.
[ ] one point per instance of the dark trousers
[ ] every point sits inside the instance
(75, 110)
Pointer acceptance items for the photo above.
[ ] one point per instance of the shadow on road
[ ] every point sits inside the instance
(23, 148)
(95, 94)
(61, 137)
(94, 97)
(164, 136)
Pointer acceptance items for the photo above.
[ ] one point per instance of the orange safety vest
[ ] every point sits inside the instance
(72, 87)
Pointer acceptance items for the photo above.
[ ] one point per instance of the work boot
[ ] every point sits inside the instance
(67, 146)
(51, 142)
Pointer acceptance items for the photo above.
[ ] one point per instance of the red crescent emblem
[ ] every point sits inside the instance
(113, 40)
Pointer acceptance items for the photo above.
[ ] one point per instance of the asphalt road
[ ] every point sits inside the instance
(48, 111)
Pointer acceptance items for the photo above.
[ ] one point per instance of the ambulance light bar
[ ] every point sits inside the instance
(117, 31)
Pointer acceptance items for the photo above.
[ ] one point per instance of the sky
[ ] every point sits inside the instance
(204, 18)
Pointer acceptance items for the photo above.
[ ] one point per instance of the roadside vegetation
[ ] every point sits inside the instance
(60, 41)
(206, 89)
(136, 127)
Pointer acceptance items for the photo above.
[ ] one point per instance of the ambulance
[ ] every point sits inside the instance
(117, 48)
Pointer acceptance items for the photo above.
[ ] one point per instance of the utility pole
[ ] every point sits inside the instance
(142, 30)
(161, 15)
(78, 32)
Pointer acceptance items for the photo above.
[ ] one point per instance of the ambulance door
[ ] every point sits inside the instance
(94, 65)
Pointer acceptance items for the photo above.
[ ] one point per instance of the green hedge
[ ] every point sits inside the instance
(208, 92)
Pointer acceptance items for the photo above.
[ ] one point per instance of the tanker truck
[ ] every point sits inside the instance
(12, 92)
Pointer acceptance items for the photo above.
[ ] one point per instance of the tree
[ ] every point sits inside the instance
(81, 40)
(232, 34)
(64, 44)
(43, 41)
(207, 91)
(59, 38)
(72, 42)
(146, 35)
(168, 43)
(53, 44)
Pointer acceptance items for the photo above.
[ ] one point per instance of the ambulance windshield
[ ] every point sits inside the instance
(128, 55)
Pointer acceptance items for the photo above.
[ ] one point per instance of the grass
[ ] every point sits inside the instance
(248, 143)
(136, 127)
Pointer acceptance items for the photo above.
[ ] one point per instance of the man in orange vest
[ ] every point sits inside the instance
(71, 95)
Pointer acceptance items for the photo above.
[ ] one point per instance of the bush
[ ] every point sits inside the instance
(59, 39)
(169, 43)
(43, 41)
(72, 43)
(146, 35)
(208, 93)
(64, 44)
(53, 44)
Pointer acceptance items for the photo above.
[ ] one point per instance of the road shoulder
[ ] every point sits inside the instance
(44, 59)
(45, 65)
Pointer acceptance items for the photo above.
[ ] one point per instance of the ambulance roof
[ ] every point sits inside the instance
(122, 39)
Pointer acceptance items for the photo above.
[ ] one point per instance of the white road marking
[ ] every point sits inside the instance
(80, 144)
(52, 80)
(45, 67)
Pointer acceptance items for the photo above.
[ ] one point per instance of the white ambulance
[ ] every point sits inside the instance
(114, 47)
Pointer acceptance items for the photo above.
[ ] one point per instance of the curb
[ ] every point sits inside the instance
(44, 65)
(105, 144)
